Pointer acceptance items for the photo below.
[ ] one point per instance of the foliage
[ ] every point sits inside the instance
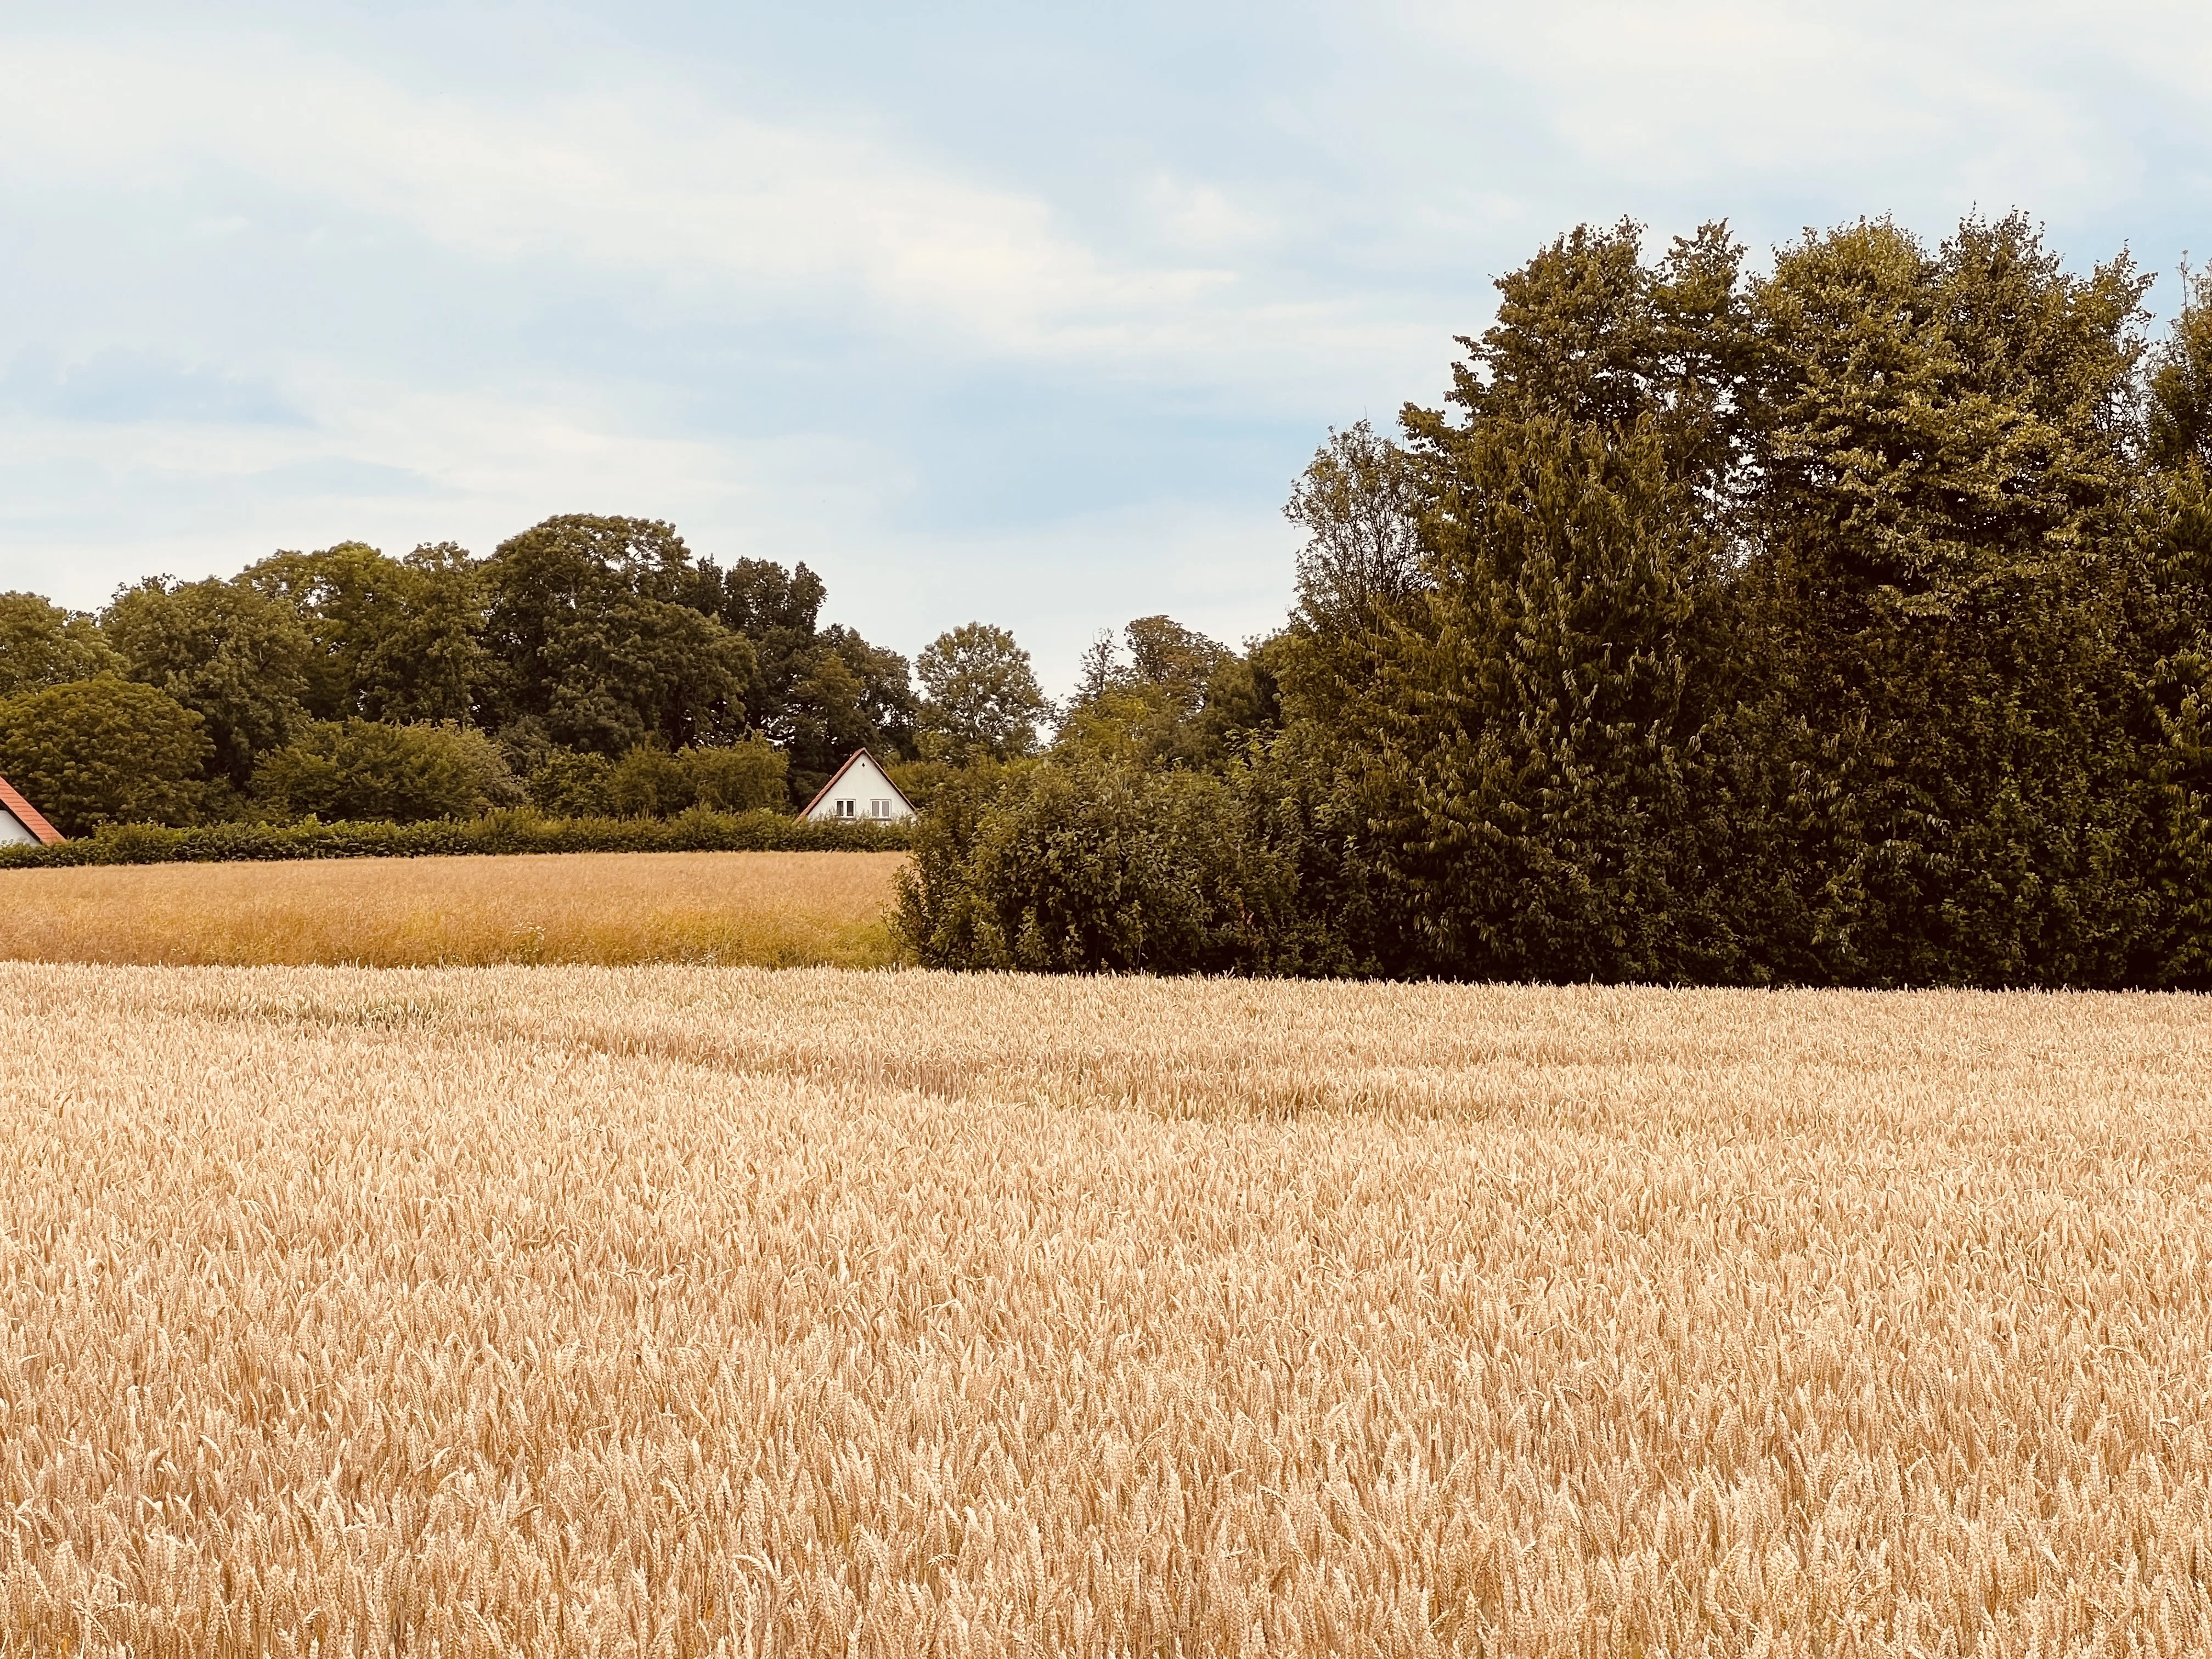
(1940, 517)
(1166, 695)
(1844, 624)
(979, 696)
(224, 649)
(737, 777)
(393, 639)
(651, 782)
(521, 831)
(565, 784)
(594, 642)
(2180, 382)
(43, 644)
(103, 752)
(1091, 867)
(1535, 715)
(361, 770)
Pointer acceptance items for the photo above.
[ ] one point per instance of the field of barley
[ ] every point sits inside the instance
(690, 1310)
(752, 909)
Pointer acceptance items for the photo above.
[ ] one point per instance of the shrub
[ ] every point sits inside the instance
(567, 784)
(496, 832)
(1093, 866)
(361, 771)
(104, 751)
(738, 777)
(649, 782)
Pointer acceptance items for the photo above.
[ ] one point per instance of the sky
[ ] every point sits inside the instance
(1020, 313)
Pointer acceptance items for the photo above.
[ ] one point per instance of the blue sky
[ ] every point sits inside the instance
(1014, 313)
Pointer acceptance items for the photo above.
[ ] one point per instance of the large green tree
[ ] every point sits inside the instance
(396, 639)
(597, 639)
(981, 693)
(1941, 490)
(42, 645)
(224, 649)
(104, 751)
(1537, 719)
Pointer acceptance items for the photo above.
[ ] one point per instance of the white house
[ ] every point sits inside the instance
(860, 793)
(20, 823)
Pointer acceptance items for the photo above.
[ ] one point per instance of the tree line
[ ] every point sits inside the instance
(1846, 623)
(589, 665)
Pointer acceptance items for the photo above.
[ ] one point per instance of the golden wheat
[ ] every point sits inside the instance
(756, 909)
(681, 1311)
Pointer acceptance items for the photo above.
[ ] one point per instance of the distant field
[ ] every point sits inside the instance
(704, 1311)
(756, 909)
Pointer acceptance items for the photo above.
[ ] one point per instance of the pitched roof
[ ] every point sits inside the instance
(27, 814)
(822, 794)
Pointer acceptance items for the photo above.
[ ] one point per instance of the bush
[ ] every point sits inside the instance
(567, 784)
(497, 832)
(365, 770)
(738, 777)
(1093, 867)
(103, 751)
(649, 782)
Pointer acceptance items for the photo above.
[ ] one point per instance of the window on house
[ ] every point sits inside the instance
(844, 809)
(880, 809)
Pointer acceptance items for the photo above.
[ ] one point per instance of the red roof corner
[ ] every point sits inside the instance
(27, 815)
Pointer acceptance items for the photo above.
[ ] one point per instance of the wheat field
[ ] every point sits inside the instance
(690, 1310)
(752, 909)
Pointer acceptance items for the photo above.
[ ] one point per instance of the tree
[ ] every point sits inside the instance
(848, 695)
(981, 694)
(778, 610)
(599, 641)
(1177, 698)
(394, 640)
(1586, 332)
(1536, 721)
(223, 650)
(42, 645)
(1360, 502)
(104, 751)
(2180, 381)
(1939, 507)
(371, 771)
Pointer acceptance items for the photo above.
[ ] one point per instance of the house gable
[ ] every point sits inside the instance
(860, 792)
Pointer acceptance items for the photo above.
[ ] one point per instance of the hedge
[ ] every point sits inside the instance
(759, 831)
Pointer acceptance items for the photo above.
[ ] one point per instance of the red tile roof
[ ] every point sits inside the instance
(27, 815)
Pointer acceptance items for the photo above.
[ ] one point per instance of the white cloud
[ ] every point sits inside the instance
(647, 181)
(276, 288)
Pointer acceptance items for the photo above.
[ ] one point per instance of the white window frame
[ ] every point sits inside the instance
(845, 809)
